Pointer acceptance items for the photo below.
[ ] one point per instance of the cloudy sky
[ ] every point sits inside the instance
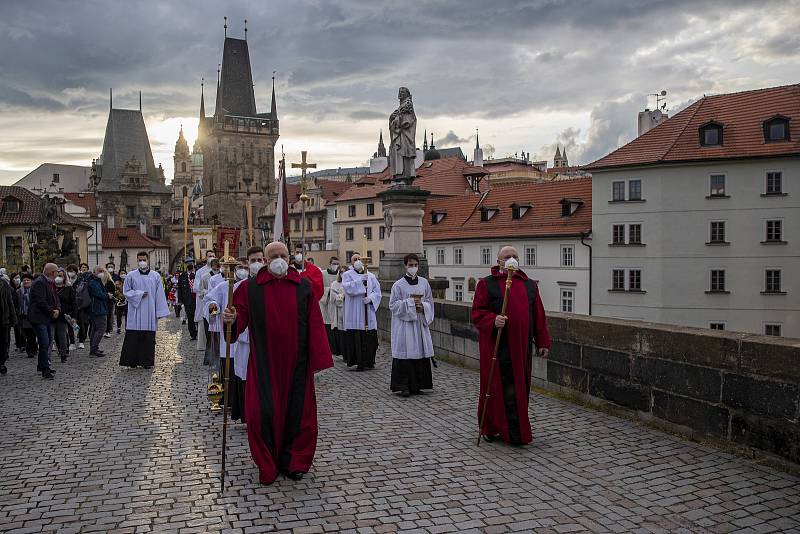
(527, 73)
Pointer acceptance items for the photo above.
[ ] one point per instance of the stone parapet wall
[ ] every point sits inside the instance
(738, 388)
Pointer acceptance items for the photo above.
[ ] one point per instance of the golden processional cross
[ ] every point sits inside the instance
(303, 166)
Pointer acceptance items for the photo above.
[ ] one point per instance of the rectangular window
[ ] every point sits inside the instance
(635, 190)
(381, 232)
(351, 210)
(320, 223)
(440, 256)
(56, 178)
(130, 211)
(11, 206)
(370, 209)
(458, 256)
(486, 255)
(458, 291)
(774, 183)
(348, 255)
(717, 280)
(717, 232)
(310, 223)
(618, 280)
(773, 281)
(716, 326)
(157, 231)
(567, 300)
(381, 254)
(618, 191)
(530, 256)
(774, 230)
(634, 280)
(567, 256)
(618, 234)
(156, 212)
(717, 185)
(297, 225)
(368, 233)
(635, 234)
(13, 250)
(348, 234)
(772, 329)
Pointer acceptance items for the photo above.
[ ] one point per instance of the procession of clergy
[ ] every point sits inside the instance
(287, 320)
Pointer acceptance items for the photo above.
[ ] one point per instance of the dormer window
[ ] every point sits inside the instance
(570, 205)
(776, 129)
(12, 205)
(488, 213)
(437, 216)
(518, 211)
(711, 134)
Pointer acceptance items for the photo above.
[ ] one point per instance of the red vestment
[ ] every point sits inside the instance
(314, 275)
(507, 412)
(288, 344)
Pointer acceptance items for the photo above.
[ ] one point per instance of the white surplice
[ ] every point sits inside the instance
(354, 305)
(240, 349)
(198, 278)
(334, 307)
(328, 278)
(411, 334)
(144, 311)
(211, 297)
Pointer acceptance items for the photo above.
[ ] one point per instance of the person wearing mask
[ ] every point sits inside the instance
(8, 320)
(147, 304)
(82, 301)
(120, 304)
(72, 276)
(187, 298)
(66, 299)
(24, 305)
(109, 277)
(98, 310)
(212, 268)
(362, 296)
(309, 271)
(329, 276)
(43, 311)
(335, 313)
(199, 294)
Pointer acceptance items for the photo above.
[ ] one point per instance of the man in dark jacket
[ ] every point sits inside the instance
(66, 298)
(187, 298)
(110, 288)
(44, 310)
(8, 319)
(23, 304)
(98, 311)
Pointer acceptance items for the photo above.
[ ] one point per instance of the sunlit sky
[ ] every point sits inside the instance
(529, 74)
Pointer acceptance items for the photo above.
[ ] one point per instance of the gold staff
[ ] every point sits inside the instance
(365, 261)
(509, 279)
(230, 263)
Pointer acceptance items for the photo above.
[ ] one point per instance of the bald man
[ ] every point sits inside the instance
(43, 310)
(288, 345)
(524, 325)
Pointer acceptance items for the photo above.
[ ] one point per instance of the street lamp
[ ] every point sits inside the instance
(32, 236)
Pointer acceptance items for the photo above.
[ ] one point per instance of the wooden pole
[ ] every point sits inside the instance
(230, 263)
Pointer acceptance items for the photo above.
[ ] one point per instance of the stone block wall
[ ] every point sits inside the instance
(738, 388)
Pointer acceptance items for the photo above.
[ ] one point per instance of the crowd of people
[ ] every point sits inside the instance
(285, 319)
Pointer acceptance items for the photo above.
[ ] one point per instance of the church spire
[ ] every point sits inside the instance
(477, 157)
(202, 101)
(477, 144)
(273, 112)
(425, 142)
(381, 146)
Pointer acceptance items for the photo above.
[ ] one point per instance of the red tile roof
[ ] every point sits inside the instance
(463, 215)
(32, 211)
(742, 116)
(83, 200)
(442, 177)
(129, 238)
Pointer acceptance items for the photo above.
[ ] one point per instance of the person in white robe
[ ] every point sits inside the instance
(211, 311)
(202, 290)
(334, 311)
(217, 298)
(198, 309)
(329, 276)
(362, 296)
(411, 305)
(147, 303)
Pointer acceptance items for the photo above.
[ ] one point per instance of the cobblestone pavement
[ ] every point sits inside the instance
(106, 449)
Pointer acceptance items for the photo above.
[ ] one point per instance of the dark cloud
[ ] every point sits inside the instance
(451, 139)
(11, 97)
(367, 115)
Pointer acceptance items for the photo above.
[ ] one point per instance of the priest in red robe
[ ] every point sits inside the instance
(524, 325)
(309, 271)
(288, 344)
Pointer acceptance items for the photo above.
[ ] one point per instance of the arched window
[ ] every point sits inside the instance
(183, 167)
(776, 129)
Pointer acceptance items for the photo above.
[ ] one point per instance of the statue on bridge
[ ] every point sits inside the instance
(403, 148)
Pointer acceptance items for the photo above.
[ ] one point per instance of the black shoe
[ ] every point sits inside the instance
(405, 394)
(31, 355)
(97, 354)
(489, 439)
(295, 475)
(3, 369)
(48, 374)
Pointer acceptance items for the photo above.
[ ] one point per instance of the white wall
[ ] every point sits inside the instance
(676, 261)
(551, 276)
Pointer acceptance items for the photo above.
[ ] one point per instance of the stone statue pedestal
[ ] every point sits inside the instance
(403, 209)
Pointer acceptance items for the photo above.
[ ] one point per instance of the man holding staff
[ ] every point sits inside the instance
(503, 403)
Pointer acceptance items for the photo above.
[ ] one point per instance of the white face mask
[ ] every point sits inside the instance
(174, 280)
(358, 265)
(72, 276)
(59, 279)
(17, 282)
(142, 264)
(111, 270)
(511, 263)
(255, 267)
(334, 267)
(241, 273)
(298, 258)
(412, 271)
(278, 266)
(210, 259)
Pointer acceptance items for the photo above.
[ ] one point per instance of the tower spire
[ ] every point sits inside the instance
(477, 144)
(140, 101)
(245, 29)
(202, 100)
(381, 146)
(425, 139)
(225, 27)
(110, 98)
(273, 112)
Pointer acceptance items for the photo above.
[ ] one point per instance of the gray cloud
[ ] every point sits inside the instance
(451, 140)
(367, 115)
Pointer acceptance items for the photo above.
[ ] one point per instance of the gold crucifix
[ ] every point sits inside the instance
(303, 166)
